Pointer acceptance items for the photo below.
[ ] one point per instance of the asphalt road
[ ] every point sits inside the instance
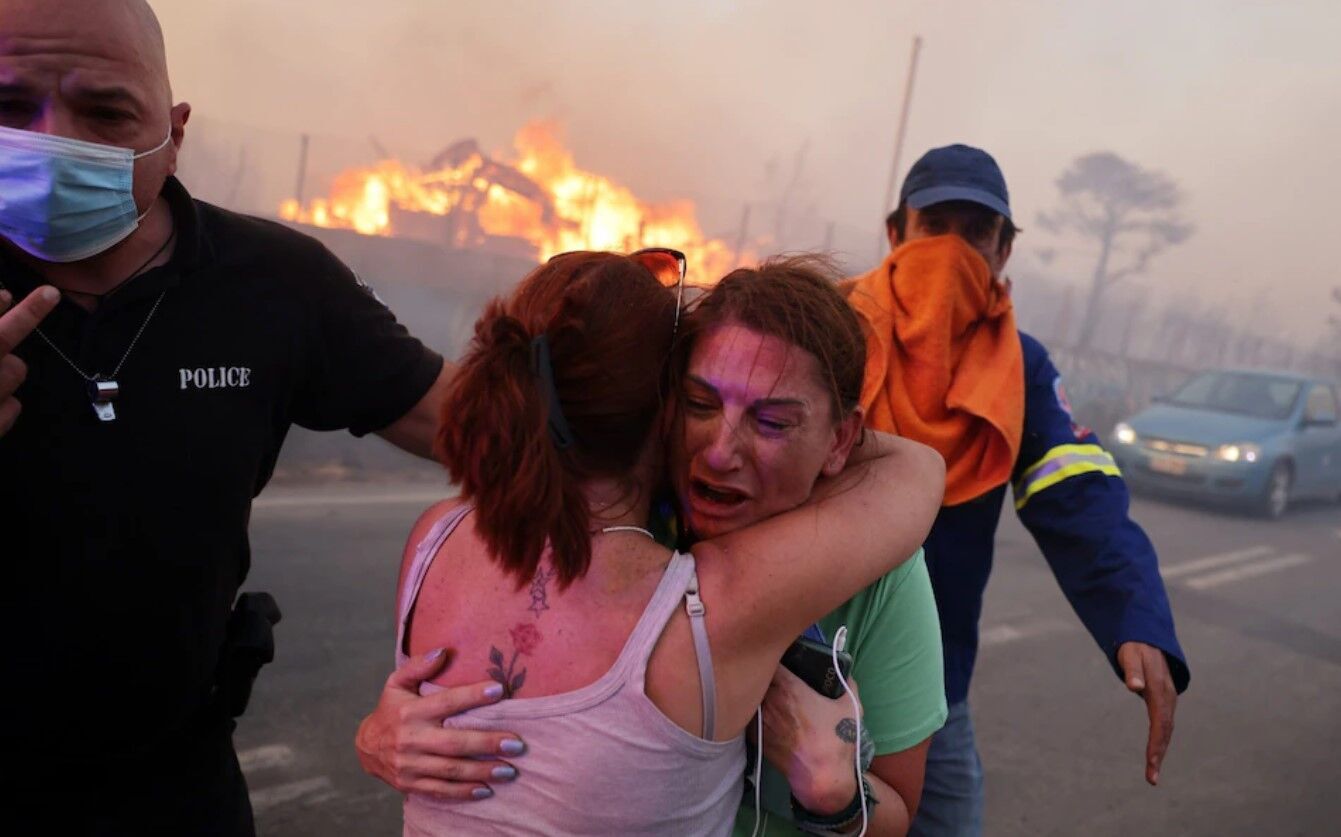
(1257, 749)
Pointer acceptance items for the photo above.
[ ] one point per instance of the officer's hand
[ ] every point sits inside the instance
(404, 744)
(1146, 673)
(15, 325)
(812, 740)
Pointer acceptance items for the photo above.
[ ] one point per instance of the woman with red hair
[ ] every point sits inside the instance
(630, 669)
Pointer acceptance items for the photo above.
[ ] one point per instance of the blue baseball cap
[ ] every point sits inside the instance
(956, 173)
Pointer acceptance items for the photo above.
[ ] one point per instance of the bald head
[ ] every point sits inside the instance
(92, 70)
(119, 35)
(143, 30)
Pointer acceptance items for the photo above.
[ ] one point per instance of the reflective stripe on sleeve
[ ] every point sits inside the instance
(1062, 463)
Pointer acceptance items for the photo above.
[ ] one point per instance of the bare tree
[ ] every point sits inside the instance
(1129, 211)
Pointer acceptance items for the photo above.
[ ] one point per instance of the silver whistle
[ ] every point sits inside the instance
(101, 393)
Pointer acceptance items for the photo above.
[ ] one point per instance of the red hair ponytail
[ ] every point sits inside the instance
(608, 324)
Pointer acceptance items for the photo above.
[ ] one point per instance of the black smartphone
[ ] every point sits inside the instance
(813, 662)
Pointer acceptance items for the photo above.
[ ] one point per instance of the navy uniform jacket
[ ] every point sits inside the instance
(1071, 497)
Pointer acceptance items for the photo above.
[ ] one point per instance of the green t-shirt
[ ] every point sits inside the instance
(894, 637)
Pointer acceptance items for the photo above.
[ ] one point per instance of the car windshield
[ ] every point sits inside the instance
(1261, 396)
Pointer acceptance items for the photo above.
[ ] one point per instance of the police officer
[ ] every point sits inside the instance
(159, 349)
(999, 415)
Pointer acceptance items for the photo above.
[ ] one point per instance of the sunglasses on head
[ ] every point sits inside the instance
(668, 266)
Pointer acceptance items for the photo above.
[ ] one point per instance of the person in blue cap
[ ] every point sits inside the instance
(947, 367)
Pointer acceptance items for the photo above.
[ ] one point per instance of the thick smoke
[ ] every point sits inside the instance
(715, 101)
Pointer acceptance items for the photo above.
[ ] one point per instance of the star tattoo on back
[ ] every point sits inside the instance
(540, 591)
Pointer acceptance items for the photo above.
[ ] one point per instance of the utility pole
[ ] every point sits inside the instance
(743, 235)
(302, 169)
(788, 193)
(882, 240)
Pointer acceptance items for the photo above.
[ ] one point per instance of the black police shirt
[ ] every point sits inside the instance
(124, 543)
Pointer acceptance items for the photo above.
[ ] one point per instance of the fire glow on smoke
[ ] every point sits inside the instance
(538, 195)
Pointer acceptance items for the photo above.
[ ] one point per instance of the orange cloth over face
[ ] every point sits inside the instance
(944, 365)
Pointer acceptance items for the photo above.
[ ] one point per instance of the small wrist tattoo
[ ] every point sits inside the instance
(847, 730)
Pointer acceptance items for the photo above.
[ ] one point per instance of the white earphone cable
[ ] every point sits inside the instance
(759, 817)
(839, 641)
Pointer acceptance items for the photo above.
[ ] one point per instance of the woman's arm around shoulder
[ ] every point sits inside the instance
(403, 741)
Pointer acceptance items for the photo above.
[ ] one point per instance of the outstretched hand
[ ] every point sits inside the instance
(1146, 673)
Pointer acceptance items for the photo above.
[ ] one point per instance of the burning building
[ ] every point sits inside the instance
(532, 205)
(437, 240)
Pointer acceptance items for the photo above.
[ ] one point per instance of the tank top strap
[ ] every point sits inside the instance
(424, 554)
(638, 650)
(679, 584)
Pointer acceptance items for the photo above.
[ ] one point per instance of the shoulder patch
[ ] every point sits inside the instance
(1064, 402)
(368, 289)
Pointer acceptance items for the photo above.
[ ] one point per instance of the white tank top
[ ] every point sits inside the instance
(602, 759)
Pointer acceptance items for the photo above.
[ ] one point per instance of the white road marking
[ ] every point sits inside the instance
(327, 796)
(316, 500)
(1007, 632)
(1270, 565)
(263, 758)
(999, 635)
(1210, 561)
(290, 792)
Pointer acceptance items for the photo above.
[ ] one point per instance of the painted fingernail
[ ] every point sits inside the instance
(504, 771)
(494, 692)
(512, 747)
(482, 793)
(434, 654)
(50, 294)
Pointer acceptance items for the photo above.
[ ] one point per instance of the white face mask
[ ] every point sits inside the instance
(64, 200)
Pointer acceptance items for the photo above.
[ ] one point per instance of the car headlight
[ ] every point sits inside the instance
(1242, 452)
(1124, 434)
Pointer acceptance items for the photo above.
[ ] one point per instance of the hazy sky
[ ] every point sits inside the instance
(1239, 101)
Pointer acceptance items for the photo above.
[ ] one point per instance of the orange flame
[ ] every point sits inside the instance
(572, 209)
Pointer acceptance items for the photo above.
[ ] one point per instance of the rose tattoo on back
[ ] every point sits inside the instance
(525, 638)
